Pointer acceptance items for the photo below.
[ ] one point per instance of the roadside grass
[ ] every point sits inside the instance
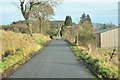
(17, 47)
(98, 65)
(16, 66)
(106, 54)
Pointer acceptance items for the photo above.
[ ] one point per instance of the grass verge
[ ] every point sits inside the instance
(97, 66)
(18, 48)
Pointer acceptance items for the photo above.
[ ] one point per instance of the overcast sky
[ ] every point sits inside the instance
(101, 11)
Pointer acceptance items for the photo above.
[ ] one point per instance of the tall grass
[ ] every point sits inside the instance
(17, 47)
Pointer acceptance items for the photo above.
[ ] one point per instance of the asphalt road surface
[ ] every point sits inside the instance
(55, 61)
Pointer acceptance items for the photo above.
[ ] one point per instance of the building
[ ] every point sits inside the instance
(109, 38)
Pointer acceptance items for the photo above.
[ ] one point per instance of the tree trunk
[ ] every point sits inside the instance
(40, 25)
(40, 28)
(29, 26)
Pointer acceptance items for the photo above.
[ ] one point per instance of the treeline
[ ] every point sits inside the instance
(100, 26)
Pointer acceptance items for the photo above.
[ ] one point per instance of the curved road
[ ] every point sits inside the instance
(55, 61)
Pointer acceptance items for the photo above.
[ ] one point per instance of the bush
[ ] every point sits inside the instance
(64, 30)
(54, 32)
(86, 38)
(88, 58)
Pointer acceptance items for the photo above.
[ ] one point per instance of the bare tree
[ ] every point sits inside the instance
(38, 7)
(26, 7)
(43, 13)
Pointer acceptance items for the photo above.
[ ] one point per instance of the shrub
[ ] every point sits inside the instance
(54, 32)
(64, 31)
(88, 58)
(86, 38)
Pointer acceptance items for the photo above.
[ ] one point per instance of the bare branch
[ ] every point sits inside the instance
(22, 9)
(25, 9)
(32, 4)
(20, 0)
(36, 3)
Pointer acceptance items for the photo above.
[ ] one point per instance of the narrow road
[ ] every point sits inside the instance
(55, 61)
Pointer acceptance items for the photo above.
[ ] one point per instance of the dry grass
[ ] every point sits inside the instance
(17, 46)
(98, 63)
(104, 56)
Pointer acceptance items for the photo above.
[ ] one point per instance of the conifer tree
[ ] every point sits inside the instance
(83, 18)
(68, 21)
(88, 19)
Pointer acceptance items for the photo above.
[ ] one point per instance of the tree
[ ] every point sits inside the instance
(86, 35)
(43, 12)
(28, 6)
(63, 30)
(68, 21)
(100, 26)
(86, 23)
(88, 19)
(83, 18)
